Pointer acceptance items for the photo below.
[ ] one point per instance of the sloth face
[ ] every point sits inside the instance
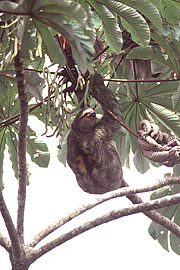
(86, 120)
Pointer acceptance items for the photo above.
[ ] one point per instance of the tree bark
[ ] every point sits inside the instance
(23, 100)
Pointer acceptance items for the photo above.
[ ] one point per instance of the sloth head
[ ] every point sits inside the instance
(85, 120)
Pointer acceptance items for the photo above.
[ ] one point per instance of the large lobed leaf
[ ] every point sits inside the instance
(132, 21)
(55, 54)
(53, 14)
(148, 9)
(169, 118)
(34, 82)
(110, 26)
(172, 213)
(37, 149)
(150, 53)
(160, 233)
(171, 11)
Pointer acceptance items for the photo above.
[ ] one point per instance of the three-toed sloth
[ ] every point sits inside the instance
(91, 155)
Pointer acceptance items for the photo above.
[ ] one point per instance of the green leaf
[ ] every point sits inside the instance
(3, 90)
(176, 100)
(124, 150)
(159, 232)
(54, 51)
(140, 162)
(174, 240)
(169, 50)
(11, 139)
(147, 9)
(167, 117)
(35, 84)
(39, 112)
(62, 8)
(131, 20)
(62, 151)
(132, 121)
(28, 37)
(2, 148)
(156, 3)
(58, 23)
(83, 52)
(37, 149)
(152, 230)
(164, 101)
(150, 53)
(161, 192)
(10, 7)
(160, 89)
(90, 29)
(110, 26)
(170, 11)
(82, 47)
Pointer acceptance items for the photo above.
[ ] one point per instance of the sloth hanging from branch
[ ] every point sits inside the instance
(91, 156)
(158, 146)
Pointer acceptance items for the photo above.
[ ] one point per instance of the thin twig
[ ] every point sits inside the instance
(135, 77)
(141, 81)
(101, 52)
(122, 123)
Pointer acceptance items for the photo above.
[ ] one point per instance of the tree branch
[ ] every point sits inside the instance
(141, 81)
(10, 228)
(155, 216)
(23, 99)
(127, 191)
(5, 243)
(122, 123)
(113, 215)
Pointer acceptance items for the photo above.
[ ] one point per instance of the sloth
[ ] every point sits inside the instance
(91, 155)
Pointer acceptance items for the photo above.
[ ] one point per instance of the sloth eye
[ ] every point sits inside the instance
(88, 114)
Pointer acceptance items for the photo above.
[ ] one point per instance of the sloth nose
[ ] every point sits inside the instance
(92, 114)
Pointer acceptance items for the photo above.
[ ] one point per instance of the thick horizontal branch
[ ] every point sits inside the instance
(108, 196)
(113, 215)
